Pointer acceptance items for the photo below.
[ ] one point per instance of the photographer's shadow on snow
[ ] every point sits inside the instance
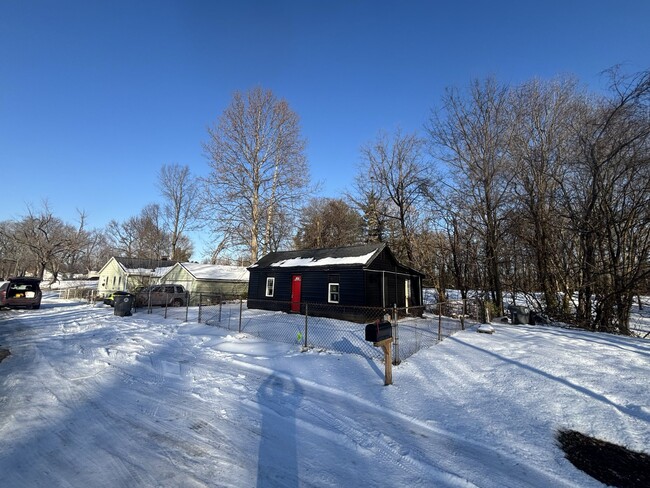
(279, 398)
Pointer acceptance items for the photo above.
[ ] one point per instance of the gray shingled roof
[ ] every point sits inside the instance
(325, 255)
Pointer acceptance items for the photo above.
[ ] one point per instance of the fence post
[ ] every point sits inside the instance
(306, 318)
(187, 304)
(166, 300)
(462, 314)
(241, 306)
(439, 321)
(200, 303)
(396, 359)
(220, 298)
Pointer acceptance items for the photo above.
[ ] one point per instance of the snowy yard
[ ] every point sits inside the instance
(91, 399)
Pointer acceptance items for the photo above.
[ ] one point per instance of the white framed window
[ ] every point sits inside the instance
(270, 286)
(333, 293)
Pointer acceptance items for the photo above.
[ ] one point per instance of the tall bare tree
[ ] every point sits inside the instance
(606, 199)
(472, 135)
(258, 173)
(390, 185)
(181, 205)
(543, 141)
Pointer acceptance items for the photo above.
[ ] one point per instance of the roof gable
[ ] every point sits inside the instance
(361, 255)
(141, 266)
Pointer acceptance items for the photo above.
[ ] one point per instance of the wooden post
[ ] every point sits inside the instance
(306, 320)
(462, 315)
(241, 307)
(388, 362)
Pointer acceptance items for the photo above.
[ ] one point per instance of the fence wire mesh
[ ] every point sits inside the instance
(78, 293)
(329, 327)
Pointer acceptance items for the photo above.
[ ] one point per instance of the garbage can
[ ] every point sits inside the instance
(520, 315)
(123, 304)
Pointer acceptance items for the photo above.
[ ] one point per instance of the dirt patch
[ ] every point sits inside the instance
(4, 353)
(608, 463)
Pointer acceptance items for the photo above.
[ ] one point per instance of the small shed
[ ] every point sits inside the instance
(127, 274)
(340, 280)
(209, 279)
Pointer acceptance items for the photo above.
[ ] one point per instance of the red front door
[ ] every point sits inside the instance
(296, 284)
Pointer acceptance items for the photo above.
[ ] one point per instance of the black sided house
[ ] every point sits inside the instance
(334, 282)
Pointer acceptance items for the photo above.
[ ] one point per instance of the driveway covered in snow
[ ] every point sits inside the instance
(91, 399)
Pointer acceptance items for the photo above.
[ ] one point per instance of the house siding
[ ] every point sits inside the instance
(111, 278)
(379, 284)
(181, 276)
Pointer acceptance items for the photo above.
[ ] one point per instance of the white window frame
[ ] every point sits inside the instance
(408, 291)
(270, 280)
(329, 292)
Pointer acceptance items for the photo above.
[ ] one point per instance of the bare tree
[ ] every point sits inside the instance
(144, 236)
(543, 142)
(606, 199)
(181, 206)
(472, 135)
(123, 237)
(48, 242)
(13, 258)
(258, 170)
(389, 187)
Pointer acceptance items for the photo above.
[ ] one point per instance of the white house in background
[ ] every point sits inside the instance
(127, 274)
(214, 279)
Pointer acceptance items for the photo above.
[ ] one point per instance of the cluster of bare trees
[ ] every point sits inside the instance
(40, 241)
(547, 190)
(541, 189)
(161, 230)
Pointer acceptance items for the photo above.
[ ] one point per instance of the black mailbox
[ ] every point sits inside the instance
(379, 331)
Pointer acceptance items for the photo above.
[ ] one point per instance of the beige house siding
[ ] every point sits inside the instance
(179, 275)
(111, 278)
(114, 276)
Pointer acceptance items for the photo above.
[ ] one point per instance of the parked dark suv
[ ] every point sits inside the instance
(161, 295)
(21, 292)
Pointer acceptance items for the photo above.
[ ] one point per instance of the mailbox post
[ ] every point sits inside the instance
(381, 335)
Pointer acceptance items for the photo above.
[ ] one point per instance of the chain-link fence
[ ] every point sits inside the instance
(79, 293)
(329, 327)
(640, 318)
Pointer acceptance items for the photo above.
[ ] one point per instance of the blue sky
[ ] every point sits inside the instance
(96, 95)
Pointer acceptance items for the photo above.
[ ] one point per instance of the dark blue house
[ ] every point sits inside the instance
(344, 279)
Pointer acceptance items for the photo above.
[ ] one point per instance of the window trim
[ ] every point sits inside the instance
(329, 292)
(270, 280)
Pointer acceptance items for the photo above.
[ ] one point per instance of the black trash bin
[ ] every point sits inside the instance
(123, 303)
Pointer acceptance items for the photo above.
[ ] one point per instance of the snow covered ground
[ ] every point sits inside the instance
(91, 399)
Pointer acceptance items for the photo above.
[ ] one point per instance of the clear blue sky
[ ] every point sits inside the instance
(96, 95)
